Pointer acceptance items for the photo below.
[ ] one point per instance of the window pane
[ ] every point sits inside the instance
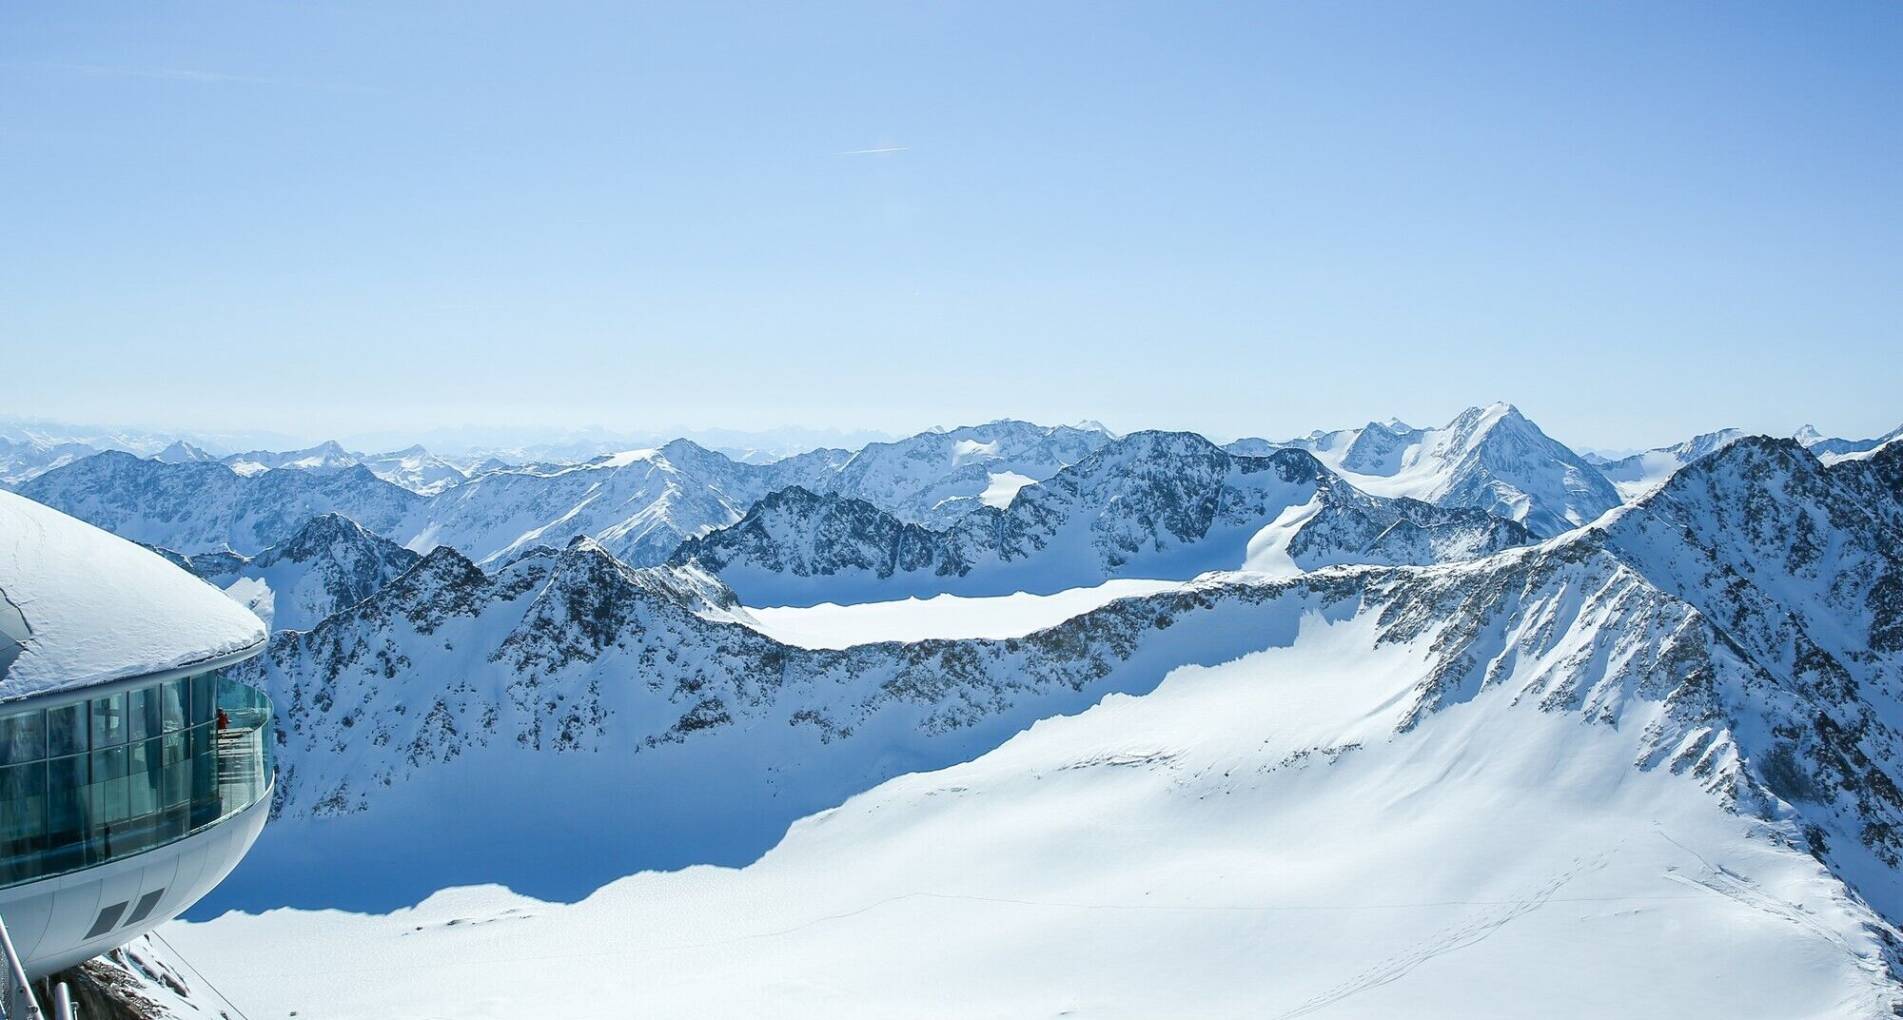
(204, 697)
(145, 772)
(109, 786)
(22, 822)
(66, 729)
(22, 737)
(66, 801)
(23, 791)
(142, 711)
(174, 697)
(176, 782)
(109, 720)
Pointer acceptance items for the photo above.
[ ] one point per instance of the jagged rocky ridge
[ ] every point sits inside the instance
(1154, 504)
(1744, 620)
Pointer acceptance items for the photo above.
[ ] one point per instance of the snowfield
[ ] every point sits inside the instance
(951, 617)
(1249, 840)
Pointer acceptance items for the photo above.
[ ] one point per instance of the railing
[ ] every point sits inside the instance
(16, 993)
(129, 772)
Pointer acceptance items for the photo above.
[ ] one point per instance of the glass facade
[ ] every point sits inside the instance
(85, 783)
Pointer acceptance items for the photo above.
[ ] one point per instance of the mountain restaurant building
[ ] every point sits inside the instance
(133, 774)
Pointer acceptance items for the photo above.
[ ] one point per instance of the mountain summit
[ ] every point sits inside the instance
(1487, 458)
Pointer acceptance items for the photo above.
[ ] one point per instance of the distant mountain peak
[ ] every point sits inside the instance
(182, 452)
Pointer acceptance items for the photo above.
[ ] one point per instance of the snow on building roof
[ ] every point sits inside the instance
(80, 606)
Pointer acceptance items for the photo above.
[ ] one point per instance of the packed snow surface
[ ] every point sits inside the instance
(1252, 839)
(96, 607)
(830, 625)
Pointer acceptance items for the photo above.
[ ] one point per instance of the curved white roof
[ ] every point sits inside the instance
(80, 606)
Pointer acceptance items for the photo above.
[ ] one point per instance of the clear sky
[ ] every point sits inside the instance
(1634, 221)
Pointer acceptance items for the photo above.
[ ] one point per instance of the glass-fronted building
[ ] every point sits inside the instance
(134, 773)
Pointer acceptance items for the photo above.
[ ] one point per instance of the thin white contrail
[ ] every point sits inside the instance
(876, 150)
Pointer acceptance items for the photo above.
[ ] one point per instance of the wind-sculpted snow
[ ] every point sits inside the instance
(456, 700)
(1152, 505)
(1488, 458)
(207, 507)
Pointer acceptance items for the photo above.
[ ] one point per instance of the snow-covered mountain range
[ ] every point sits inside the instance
(570, 649)
(1677, 722)
(202, 506)
(1690, 707)
(642, 504)
(1151, 505)
(414, 468)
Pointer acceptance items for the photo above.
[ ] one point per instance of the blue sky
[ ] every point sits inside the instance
(1634, 221)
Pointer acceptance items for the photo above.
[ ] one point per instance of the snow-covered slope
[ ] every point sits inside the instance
(1488, 458)
(202, 507)
(1250, 840)
(1640, 473)
(1625, 772)
(328, 565)
(1166, 505)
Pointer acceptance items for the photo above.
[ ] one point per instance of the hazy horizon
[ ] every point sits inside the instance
(464, 439)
